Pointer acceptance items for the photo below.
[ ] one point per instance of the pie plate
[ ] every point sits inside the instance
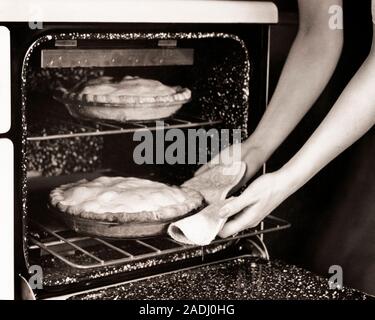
(82, 107)
(105, 229)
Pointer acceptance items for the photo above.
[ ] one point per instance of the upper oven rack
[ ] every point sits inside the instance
(72, 243)
(83, 128)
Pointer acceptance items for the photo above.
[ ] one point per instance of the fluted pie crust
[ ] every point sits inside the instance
(130, 99)
(132, 91)
(125, 200)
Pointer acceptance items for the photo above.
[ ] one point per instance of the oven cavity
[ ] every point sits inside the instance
(61, 148)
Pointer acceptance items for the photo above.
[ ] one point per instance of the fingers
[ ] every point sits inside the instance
(242, 221)
(234, 205)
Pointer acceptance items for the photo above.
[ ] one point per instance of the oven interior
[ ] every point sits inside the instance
(227, 76)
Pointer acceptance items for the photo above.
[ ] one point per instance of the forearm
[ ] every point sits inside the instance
(309, 66)
(350, 118)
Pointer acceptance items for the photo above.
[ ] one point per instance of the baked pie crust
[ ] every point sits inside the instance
(132, 98)
(123, 200)
(132, 90)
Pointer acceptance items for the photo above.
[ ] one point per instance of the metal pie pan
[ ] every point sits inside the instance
(115, 230)
(80, 107)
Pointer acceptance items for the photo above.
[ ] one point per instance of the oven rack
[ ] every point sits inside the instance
(56, 240)
(83, 128)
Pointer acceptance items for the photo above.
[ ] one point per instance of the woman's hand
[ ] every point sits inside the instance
(253, 157)
(255, 203)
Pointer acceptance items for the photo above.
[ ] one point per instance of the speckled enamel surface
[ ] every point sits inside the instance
(57, 273)
(221, 93)
(239, 278)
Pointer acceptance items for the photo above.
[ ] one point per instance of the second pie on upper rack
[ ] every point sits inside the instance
(129, 99)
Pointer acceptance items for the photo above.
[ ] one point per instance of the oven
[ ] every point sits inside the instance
(217, 49)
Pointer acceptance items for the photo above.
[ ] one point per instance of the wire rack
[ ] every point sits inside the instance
(66, 245)
(83, 128)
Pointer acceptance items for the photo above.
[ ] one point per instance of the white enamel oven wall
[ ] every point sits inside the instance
(6, 172)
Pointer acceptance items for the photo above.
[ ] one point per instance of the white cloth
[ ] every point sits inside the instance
(214, 185)
(199, 229)
(217, 182)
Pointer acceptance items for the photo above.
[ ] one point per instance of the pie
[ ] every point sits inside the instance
(132, 90)
(119, 199)
(131, 98)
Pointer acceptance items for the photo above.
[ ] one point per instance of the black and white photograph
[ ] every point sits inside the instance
(204, 151)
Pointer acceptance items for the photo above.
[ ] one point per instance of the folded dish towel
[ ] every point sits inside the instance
(199, 229)
(214, 185)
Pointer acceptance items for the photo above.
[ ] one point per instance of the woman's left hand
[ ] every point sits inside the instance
(255, 203)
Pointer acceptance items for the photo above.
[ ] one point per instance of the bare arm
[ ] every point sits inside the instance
(308, 68)
(351, 117)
